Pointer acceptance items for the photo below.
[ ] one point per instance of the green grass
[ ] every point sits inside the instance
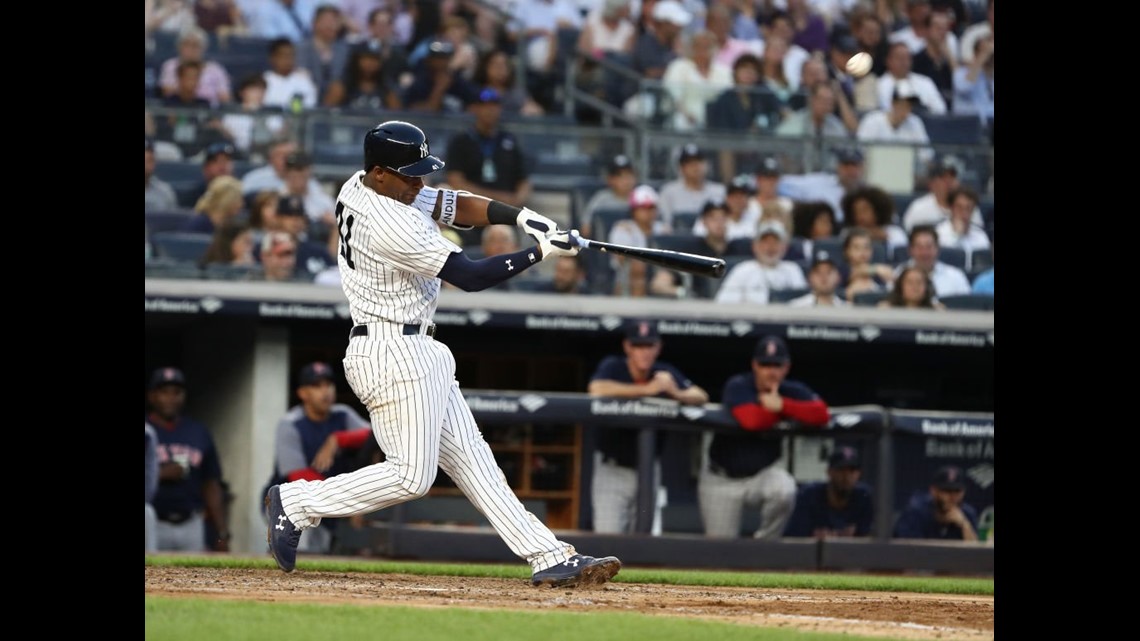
(769, 580)
(169, 619)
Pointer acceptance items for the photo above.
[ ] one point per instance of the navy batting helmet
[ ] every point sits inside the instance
(401, 147)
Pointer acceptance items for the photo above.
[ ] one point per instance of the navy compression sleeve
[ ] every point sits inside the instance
(475, 275)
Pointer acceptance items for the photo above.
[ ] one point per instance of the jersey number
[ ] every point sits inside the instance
(344, 228)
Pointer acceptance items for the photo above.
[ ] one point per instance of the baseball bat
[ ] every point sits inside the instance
(668, 258)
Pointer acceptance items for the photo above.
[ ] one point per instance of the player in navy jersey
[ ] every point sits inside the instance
(190, 494)
(742, 468)
(840, 506)
(316, 439)
(637, 373)
(941, 512)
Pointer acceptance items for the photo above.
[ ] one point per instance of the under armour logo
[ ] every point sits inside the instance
(423, 150)
(573, 562)
(279, 525)
(510, 267)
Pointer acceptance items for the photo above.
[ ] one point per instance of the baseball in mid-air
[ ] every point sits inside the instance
(859, 64)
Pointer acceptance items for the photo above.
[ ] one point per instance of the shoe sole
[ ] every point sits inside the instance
(596, 574)
(269, 538)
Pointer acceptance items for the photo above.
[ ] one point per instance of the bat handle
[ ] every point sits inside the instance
(584, 243)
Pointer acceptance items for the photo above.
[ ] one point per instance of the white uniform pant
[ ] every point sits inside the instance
(613, 493)
(150, 529)
(421, 422)
(723, 500)
(187, 536)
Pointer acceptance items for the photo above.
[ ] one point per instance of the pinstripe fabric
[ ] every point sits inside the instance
(613, 491)
(418, 413)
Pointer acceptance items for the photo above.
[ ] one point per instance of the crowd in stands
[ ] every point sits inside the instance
(229, 82)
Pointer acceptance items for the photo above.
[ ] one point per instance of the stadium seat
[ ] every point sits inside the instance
(604, 220)
(530, 285)
(952, 129)
(983, 302)
(181, 246)
(981, 260)
(166, 268)
(683, 221)
(869, 299)
(785, 295)
(167, 220)
(218, 271)
(949, 255)
(678, 242)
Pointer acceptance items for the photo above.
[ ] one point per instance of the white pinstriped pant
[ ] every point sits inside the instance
(723, 499)
(421, 421)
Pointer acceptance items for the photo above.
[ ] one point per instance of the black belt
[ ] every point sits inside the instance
(409, 330)
(176, 517)
(720, 471)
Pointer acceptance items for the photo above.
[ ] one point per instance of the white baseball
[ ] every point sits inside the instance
(859, 64)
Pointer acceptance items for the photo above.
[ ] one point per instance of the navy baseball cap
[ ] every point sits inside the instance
(167, 376)
(849, 155)
(821, 256)
(215, 149)
(291, 206)
(314, 373)
(845, 456)
(691, 152)
(771, 350)
(949, 479)
(769, 166)
(742, 182)
(618, 164)
(642, 332)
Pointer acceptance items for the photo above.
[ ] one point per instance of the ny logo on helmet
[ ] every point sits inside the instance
(424, 150)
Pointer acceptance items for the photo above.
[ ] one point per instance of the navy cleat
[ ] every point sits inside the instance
(578, 570)
(283, 536)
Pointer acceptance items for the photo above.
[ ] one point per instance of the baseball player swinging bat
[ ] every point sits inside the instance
(668, 258)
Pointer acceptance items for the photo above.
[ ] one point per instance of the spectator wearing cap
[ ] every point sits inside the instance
(632, 276)
(768, 204)
(299, 182)
(190, 500)
(829, 186)
(740, 219)
(751, 281)
(691, 189)
(621, 178)
(636, 373)
(841, 506)
(712, 242)
(823, 279)
(159, 195)
(278, 257)
(859, 92)
(487, 158)
(897, 123)
(923, 247)
(217, 160)
(872, 208)
(221, 204)
(312, 257)
(693, 80)
(933, 207)
(212, 84)
(925, 92)
(435, 87)
(317, 438)
(655, 48)
(287, 85)
(742, 469)
(941, 511)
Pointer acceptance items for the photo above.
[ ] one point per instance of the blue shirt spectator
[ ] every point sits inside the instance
(984, 282)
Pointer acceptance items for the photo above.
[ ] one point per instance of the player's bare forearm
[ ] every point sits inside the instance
(693, 395)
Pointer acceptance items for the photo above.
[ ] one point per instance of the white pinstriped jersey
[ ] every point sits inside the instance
(390, 254)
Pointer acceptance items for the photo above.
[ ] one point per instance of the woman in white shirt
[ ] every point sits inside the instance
(694, 80)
